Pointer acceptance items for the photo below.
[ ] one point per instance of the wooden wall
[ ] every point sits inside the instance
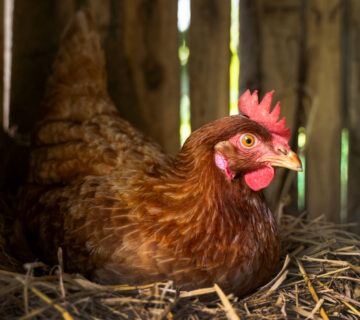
(272, 65)
(1, 57)
(308, 51)
(352, 95)
(140, 41)
(209, 62)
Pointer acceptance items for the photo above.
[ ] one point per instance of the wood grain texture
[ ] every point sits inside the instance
(249, 46)
(352, 92)
(209, 61)
(323, 82)
(1, 60)
(281, 38)
(13, 160)
(143, 67)
(37, 30)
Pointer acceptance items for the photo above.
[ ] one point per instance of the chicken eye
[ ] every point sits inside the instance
(247, 140)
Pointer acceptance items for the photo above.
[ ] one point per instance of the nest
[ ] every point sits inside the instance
(319, 279)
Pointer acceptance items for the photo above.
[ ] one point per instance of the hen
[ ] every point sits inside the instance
(125, 212)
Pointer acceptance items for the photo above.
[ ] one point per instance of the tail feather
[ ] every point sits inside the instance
(79, 75)
(66, 142)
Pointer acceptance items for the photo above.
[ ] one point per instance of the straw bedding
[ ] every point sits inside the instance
(319, 279)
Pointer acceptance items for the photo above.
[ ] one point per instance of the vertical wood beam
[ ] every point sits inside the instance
(249, 46)
(144, 68)
(323, 82)
(353, 96)
(1, 61)
(209, 61)
(281, 36)
(36, 33)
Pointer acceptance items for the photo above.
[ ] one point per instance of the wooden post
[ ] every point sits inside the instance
(353, 97)
(144, 68)
(209, 61)
(249, 47)
(37, 30)
(281, 37)
(1, 61)
(323, 83)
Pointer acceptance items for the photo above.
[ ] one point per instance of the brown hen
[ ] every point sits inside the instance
(123, 211)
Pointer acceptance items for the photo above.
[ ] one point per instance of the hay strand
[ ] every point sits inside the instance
(313, 292)
(230, 312)
(352, 308)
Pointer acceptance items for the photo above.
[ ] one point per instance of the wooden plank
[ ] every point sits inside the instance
(209, 61)
(250, 46)
(143, 64)
(323, 82)
(1, 61)
(353, 95)
(37, 29)
(13, 160)
(281, 37)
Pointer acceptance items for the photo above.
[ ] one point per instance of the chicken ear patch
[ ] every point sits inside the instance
(222, 163)
(259, 178)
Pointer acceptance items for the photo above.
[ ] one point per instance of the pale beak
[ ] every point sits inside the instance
(289, 160)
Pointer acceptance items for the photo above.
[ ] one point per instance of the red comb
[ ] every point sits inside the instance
(260, 112)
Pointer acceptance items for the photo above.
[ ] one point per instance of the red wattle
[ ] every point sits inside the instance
(259, 178)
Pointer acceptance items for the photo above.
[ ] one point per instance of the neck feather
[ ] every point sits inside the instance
(203, 213)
